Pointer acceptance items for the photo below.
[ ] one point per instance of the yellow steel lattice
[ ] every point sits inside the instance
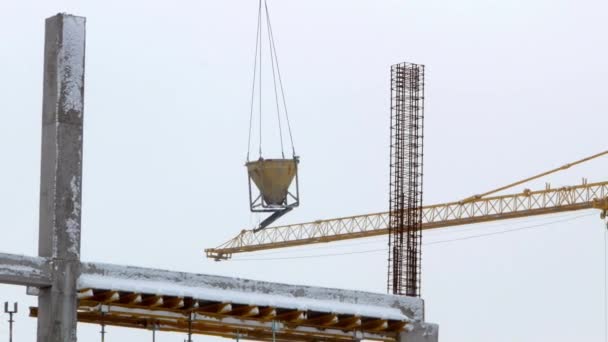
(472, 210)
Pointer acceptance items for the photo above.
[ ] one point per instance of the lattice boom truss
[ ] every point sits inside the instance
(527, 203)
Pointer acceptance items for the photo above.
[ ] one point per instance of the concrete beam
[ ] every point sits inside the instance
(24, 270)
(61, 174)
(420, 332)
(249, 292)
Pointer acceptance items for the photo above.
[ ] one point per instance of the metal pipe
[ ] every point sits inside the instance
(10, 320)
(104, 310)
(189, 328)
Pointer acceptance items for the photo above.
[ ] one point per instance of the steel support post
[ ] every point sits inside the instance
(10, 313)
(61, 175)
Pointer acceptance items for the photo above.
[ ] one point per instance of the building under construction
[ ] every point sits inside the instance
(70, 291)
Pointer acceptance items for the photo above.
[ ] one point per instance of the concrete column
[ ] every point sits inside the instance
(61, 175)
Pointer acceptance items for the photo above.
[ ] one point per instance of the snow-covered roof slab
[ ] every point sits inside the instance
(249, 292)
(224, 306)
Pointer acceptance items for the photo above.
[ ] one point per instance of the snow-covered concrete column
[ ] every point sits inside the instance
(61, 175)
(420, 332)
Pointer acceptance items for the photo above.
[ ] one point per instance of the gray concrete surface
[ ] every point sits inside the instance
(421, 332)
(57, 269)
(23, 270)
(61, 174)
(251, 292)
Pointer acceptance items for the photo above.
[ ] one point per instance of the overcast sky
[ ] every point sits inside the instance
(513, 88)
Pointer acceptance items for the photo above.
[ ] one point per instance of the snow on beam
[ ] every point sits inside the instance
(324, 319)
(249, 292)
(292, 316)
(245, 311)
(349, 323)
(24, 270)
(218, 308)
(106, 296)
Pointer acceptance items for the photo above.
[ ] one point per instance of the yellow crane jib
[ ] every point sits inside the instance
(540, 175)
(477, 210)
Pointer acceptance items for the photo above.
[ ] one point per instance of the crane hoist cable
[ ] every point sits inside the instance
(257, 84)
(273, 182)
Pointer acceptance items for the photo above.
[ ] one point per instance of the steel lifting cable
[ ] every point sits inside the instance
(255, 67)
(260, 61)
(526, 180)
(278, 86)
(274, 79)
(273, 47)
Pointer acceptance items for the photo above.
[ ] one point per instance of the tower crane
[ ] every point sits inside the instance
(485, 207)
(407, 217)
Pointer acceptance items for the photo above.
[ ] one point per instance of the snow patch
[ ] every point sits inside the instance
(72, 63)
(249, 292)
(73, 222)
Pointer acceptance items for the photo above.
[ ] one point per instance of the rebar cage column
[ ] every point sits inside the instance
(405, 203)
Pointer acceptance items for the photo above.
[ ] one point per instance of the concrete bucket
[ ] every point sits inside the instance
(273, 178)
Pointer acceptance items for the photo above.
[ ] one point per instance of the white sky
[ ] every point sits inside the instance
(513, 88)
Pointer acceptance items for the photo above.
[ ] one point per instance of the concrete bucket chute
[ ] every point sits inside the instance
(276, 182)
(273, 177)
